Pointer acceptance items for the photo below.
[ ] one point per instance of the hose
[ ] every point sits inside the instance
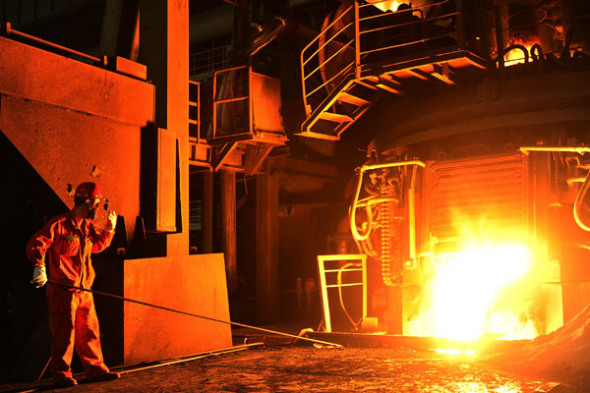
(510, 48)
(537, 52)
(193, 315)
(355, 202)
(580, 202)
(339, 281)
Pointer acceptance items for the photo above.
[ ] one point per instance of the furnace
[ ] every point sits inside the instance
(470, 204)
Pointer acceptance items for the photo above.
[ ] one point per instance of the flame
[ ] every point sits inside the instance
(386, 5)
(455, 352)
(516, 56)
(484, 289)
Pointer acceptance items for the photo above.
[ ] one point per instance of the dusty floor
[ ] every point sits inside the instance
(310, 369)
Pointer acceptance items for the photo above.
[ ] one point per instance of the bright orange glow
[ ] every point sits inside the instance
(386, 5)
(484, 289)
(516, 56)
(456, 352)
(509, 388)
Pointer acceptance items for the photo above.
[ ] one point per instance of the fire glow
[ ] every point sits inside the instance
(516, 55)
(476, 292)
(385, 5)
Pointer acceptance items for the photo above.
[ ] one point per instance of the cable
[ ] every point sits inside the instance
(353, 228)
(193, 315)
(510, 48)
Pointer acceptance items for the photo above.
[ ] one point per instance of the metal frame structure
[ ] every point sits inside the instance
(243, 145)
(357, 55)
(324, 286)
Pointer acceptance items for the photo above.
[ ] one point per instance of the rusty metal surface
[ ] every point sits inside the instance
(46, 77)
(191, 283)
(308, 369)
(74, 122)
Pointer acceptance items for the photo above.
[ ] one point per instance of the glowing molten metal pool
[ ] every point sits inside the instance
(479, 291)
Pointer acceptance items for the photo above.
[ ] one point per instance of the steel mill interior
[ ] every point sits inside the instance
(352, 171)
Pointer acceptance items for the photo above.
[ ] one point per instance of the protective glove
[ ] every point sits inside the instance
(39, 276)
(111, 221)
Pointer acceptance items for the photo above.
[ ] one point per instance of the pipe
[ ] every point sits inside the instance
(412, 215)
(355, 203)
(393, 164)
(571, 149)
(192, 315)
(583, 190)
(211, 24)
(268, 34)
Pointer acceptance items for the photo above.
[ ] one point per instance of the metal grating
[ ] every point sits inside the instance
(477, 196)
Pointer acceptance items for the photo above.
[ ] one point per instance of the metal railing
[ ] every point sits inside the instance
(232, 112)
(362, 36)
(340, 264)
(204, 63)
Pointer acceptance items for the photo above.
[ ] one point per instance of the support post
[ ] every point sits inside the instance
(267, 248)
(208, 206)
(228, 213)
(164, 50)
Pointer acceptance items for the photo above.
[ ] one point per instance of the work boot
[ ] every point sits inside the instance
(108, 376)
(64, 382)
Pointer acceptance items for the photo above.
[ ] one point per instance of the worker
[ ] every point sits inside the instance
(62, 248)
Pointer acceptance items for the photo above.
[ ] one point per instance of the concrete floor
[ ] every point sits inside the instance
(308, 368)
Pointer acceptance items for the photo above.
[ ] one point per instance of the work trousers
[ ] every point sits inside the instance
(74, 324)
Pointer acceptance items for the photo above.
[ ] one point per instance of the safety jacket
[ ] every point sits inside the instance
(65, 246)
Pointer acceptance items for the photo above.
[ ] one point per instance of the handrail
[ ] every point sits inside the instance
(330, 58)
(326, 43)
(325, 30)
(196, 103)
(421, 21)
(323, 64)
(12, 32)
(360, 266)
(423, 40)
(307, 57)
(401, 12)
(347, 68)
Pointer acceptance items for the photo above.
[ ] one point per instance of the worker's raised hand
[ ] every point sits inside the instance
(39, 277)
(111, 221)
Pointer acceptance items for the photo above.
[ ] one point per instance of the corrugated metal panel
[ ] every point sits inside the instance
(488, 195)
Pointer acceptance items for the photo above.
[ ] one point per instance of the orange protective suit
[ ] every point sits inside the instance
(64, 245)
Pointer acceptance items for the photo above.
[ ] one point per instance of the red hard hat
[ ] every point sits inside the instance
(88, 190)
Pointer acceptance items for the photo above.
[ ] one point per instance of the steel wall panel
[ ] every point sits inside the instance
(191, 283)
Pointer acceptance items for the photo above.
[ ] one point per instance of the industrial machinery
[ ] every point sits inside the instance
(431, 154)
(472, 204)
